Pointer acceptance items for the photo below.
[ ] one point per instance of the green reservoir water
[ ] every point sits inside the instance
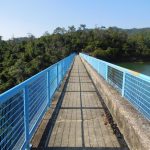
(143, 68)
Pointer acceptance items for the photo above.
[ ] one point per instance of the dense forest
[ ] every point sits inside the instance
(21, 58)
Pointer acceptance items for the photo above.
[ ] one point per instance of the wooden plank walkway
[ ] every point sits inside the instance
(79, 121)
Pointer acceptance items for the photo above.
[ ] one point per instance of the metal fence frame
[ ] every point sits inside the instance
(134, 86)
(23, 107)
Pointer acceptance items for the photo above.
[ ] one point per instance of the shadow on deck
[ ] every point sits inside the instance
(77, 119)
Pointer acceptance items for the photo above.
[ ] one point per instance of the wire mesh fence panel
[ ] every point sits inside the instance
(59, 72)
(102, 69)
(98, 65)
(115, 78)
(12, 131)
(137, 91)
(37, 99)
(53, 79)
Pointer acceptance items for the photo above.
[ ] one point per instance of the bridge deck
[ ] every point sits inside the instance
(78, 120)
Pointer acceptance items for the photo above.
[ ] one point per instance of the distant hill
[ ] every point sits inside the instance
(19, 39)
(133, 30)
(137, 30)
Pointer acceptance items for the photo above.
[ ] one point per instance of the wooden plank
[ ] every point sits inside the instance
(87, 87)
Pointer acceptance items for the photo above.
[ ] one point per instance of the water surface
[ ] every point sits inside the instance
(140, 67)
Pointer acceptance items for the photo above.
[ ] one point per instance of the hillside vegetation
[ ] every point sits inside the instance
(21, 58)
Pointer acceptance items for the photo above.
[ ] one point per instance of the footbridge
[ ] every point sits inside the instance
(79, 103)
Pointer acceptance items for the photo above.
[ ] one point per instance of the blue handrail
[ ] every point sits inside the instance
(23, 106)
(134, 86)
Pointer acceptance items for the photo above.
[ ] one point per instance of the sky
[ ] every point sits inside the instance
(20, 17)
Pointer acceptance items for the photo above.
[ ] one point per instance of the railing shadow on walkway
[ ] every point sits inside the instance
(51, 123)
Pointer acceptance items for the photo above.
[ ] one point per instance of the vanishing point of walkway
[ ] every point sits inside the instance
(78, 120)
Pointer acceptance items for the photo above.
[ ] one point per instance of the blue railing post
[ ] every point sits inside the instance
(26, 116)
(48, 88)
(61, 70)
(123, 83)
(98, 69)
(57, 75)
(106, 72)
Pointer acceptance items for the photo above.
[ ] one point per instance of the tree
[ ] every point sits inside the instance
(1, 38)
(59, 30)
(82, 27)
(71, 29)
(20, 58)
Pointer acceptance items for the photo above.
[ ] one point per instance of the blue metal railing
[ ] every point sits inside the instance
(22, 107)
(135, 87)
